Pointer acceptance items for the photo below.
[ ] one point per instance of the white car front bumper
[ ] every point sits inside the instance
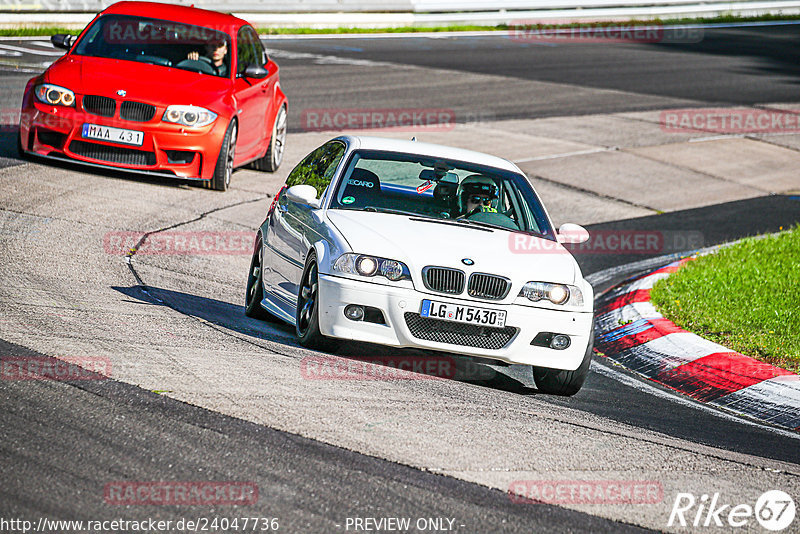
(401, 310)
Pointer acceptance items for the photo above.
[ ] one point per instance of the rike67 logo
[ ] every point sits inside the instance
(774, 510)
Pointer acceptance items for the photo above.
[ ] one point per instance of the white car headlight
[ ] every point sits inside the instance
(54, 95)
(365, 265)
(191, 116)
(556, 293)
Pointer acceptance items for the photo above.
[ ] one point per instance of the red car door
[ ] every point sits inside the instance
(252, 97)
(268, 88)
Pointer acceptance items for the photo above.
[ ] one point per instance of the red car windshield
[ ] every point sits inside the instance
(158, 42)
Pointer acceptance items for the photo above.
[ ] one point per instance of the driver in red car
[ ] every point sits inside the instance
(216, 51)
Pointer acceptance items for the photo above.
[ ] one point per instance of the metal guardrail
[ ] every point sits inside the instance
(439, 6)
(451, 7)
(238, 6)
(394, 13)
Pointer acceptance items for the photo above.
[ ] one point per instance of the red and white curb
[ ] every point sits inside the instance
(629, 331)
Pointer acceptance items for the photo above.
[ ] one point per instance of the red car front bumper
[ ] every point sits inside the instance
(166, 148)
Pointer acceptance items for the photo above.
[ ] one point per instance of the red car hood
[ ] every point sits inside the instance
(153, 84)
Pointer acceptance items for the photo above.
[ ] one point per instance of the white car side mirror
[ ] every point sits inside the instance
(303, 194)
(572, 233)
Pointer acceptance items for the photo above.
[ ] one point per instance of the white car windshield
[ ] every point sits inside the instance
(410, 184)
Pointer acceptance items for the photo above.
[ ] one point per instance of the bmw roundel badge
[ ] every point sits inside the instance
(467, 261)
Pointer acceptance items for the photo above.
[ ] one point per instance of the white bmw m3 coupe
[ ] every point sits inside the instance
(409, 244)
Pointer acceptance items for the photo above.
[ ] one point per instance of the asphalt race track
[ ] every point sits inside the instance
(200, 392)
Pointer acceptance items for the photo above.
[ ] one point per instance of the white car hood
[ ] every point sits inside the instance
(418, 243)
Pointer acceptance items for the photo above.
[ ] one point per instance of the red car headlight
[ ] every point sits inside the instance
(47, 93)
(191, 116)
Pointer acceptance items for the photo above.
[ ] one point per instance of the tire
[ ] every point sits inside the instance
(277, 142)
(307, 318)
(224, 167)
(255, 289)
(564, 383)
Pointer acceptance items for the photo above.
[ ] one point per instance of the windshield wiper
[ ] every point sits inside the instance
(483, 224)
(389, 210)
(454, 222)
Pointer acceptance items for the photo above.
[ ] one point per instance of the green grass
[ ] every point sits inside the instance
(398, 29)
(50, 30)
(506, 27)
(745, 297)
(26, 31)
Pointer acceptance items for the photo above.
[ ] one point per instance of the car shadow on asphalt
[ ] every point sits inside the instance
(367, 361)
(9, 155)
(8, 142)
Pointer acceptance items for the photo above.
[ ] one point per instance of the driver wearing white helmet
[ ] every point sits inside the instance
(477, 193)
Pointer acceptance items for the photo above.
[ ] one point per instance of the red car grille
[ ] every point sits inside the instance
(107, 107)
(136, 111)
(99, 105)
(113, 154)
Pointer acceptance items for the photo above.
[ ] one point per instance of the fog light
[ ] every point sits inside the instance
(356, 313)
(559, 342)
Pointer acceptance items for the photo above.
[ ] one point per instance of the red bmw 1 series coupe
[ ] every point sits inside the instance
(159, 88)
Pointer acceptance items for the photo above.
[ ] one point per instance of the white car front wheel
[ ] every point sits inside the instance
(307, 318)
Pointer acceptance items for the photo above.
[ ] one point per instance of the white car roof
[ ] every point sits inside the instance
(430, 149)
